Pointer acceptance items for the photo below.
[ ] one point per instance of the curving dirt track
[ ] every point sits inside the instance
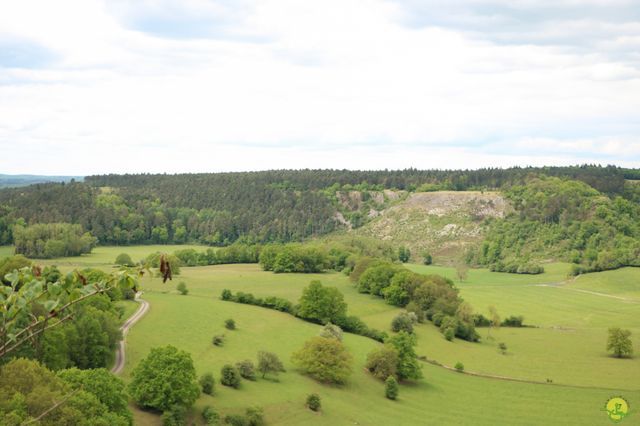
(120, 352)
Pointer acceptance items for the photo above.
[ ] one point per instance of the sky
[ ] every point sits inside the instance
(131, 86)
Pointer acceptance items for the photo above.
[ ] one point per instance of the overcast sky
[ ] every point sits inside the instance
(91, 86)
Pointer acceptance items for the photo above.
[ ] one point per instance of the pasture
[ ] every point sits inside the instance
(567, 346)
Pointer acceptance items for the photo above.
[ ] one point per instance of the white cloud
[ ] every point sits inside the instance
(297, 84)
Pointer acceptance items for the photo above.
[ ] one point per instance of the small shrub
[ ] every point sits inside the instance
(247, 369)
(404, 322)
(226, 294)
(255, 416)
(502, 347)
(230, 324)
(207, 383)
(391, 388)
(459, 367)
(230, 376)
(182, 288)
(331, 331)
(124, 259)
(210, 416)
(313, 402)
(513, 321)
(382, 362)
(268, 362)
(175, 416)
(236, 420)
(449, 333)
(218, 340)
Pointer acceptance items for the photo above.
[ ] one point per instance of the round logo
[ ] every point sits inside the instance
(617, 408)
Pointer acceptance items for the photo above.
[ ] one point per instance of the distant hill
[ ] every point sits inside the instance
(508, 219)
(13, 181)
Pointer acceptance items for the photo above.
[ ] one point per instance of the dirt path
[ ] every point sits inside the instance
(120, 352)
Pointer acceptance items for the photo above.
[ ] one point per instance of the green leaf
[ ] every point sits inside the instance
(50, 305)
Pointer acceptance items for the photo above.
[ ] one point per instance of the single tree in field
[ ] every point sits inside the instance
(313, 401)
(326, 360)
(461, 271)
(164, 379)
(268, 362)
(322, 304)
(494, 320)
(331, 331)
(182, 288)
(391, 388)
(620, 342)
(207, 383)
(382, 362)
(408, 366)
(124, 259)
(230, 376)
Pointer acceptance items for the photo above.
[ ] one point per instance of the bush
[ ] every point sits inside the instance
(513, 321)
(404, 254)
(255, 416)
(247, 369)
(164, 379)
(391, 388)
(449, 333)
(268, 362)
(175, 416)
(313, 402)
(210, 416)
(182, 288)
(382, 362)
(408, 366)
(619, 342)
(230, 324)
(218, 340)
(326, 360)
(322, 304)
(502, 347)
(230, 376)
(236, 420)
(403, 322)
(459, 367)
(207, 383)
(427, 259)
(124, 259)
(331, 331)
(226, 294)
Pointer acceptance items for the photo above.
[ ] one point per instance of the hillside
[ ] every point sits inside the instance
(442, 223)
(587, 215)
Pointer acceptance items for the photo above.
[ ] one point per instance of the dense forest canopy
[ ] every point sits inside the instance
(587, 211)
(220, 208)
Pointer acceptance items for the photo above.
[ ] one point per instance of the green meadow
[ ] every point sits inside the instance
(566, 344)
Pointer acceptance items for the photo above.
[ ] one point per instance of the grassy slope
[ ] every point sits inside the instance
(444, 397)
(573, 325)
(572, 352)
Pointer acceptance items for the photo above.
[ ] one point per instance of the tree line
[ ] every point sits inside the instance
(220, 208)
(562, 219)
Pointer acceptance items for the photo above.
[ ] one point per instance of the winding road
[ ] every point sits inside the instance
(144, 307)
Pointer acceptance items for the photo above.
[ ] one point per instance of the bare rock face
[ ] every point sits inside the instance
(442, 223)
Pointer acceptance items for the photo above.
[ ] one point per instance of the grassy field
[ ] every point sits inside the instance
(443, 397)
(567, 346)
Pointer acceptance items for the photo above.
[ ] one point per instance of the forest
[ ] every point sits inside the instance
(583, 214)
